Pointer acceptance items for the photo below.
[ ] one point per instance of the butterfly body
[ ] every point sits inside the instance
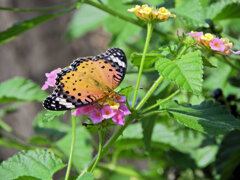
(87, 80)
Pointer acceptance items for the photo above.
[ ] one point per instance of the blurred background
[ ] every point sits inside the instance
(38, 51)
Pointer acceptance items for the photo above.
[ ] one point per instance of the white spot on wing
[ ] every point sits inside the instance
(118, 61)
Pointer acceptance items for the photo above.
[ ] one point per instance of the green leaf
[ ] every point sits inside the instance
(208, 117)
(82, 155)
(150, 59)
(191, 13)
(225, 9)
(86, 176)
(228, 157)
(87, 18)
(147, 126)
(20, 89)
(39, 163)
(21, 27)
(186, 72)
(126, 91)
(46, 116)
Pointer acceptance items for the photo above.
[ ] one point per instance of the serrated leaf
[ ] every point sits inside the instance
(46, 116)
(82, 155)
(225, 9)
(208, 117)
(186, 72)
(21, 27)
(87, 18)
(86, 176)
(39, 163)
(191, 13)
(20, 89)
(150, 59)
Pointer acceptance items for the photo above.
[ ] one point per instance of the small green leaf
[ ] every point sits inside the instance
(126, 91)
(82, 155)
(87, 18)
(21, 27)
(186, 72)
(191, 13)
(20, 89)
(208, 117)
(39, 163)
(86, 176)
(150, 59)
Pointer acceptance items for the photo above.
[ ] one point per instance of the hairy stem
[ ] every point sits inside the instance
(149, 93)
(149, 33)
(100, 148)
(72, 147)
(163, 101)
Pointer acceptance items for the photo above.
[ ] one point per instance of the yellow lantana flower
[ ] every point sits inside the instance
(147, 13)
(206, 38)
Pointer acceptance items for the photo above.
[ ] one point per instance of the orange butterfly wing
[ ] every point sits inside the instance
(87, 80)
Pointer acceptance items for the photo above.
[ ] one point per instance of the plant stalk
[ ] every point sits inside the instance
(149, 33)
(161, 102)
(72, 147)
(100, 148)
(149, 93)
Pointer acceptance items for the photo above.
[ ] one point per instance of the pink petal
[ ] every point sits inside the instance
(50, 78)
(121, 98)
(107, 112)
(118, 118)
(221, 47)
(123, 108)
(83, 110)
(96, 116)
(235, 52)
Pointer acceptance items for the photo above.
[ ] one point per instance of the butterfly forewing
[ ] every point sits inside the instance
(87, 80)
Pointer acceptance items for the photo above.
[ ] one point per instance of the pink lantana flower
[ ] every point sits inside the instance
(50, 78)
(217, 45)
(106, 109)
(107, 112)
(222, 46)
(195, 35)
(96, 116)
(118, 118)
(83, 110)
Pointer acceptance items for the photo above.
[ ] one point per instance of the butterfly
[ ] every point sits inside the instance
(87, 80)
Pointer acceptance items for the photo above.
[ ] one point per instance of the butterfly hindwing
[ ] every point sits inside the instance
(87, 80)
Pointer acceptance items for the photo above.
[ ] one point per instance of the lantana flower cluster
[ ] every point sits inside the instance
(111, 108)
(147, 13)
(220, 45)
(106, 108)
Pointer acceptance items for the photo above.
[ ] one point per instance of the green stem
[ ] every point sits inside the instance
(149, 93)
(72, 147)
(182, 52)
(126, 18)
(100, 148)
(152, 113)
(39, 9)
(149, 33)
(163, 101)
(110, 142)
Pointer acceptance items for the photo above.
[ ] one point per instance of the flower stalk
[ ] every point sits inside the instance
(72, 147)
(149, 33)
(100, 148)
